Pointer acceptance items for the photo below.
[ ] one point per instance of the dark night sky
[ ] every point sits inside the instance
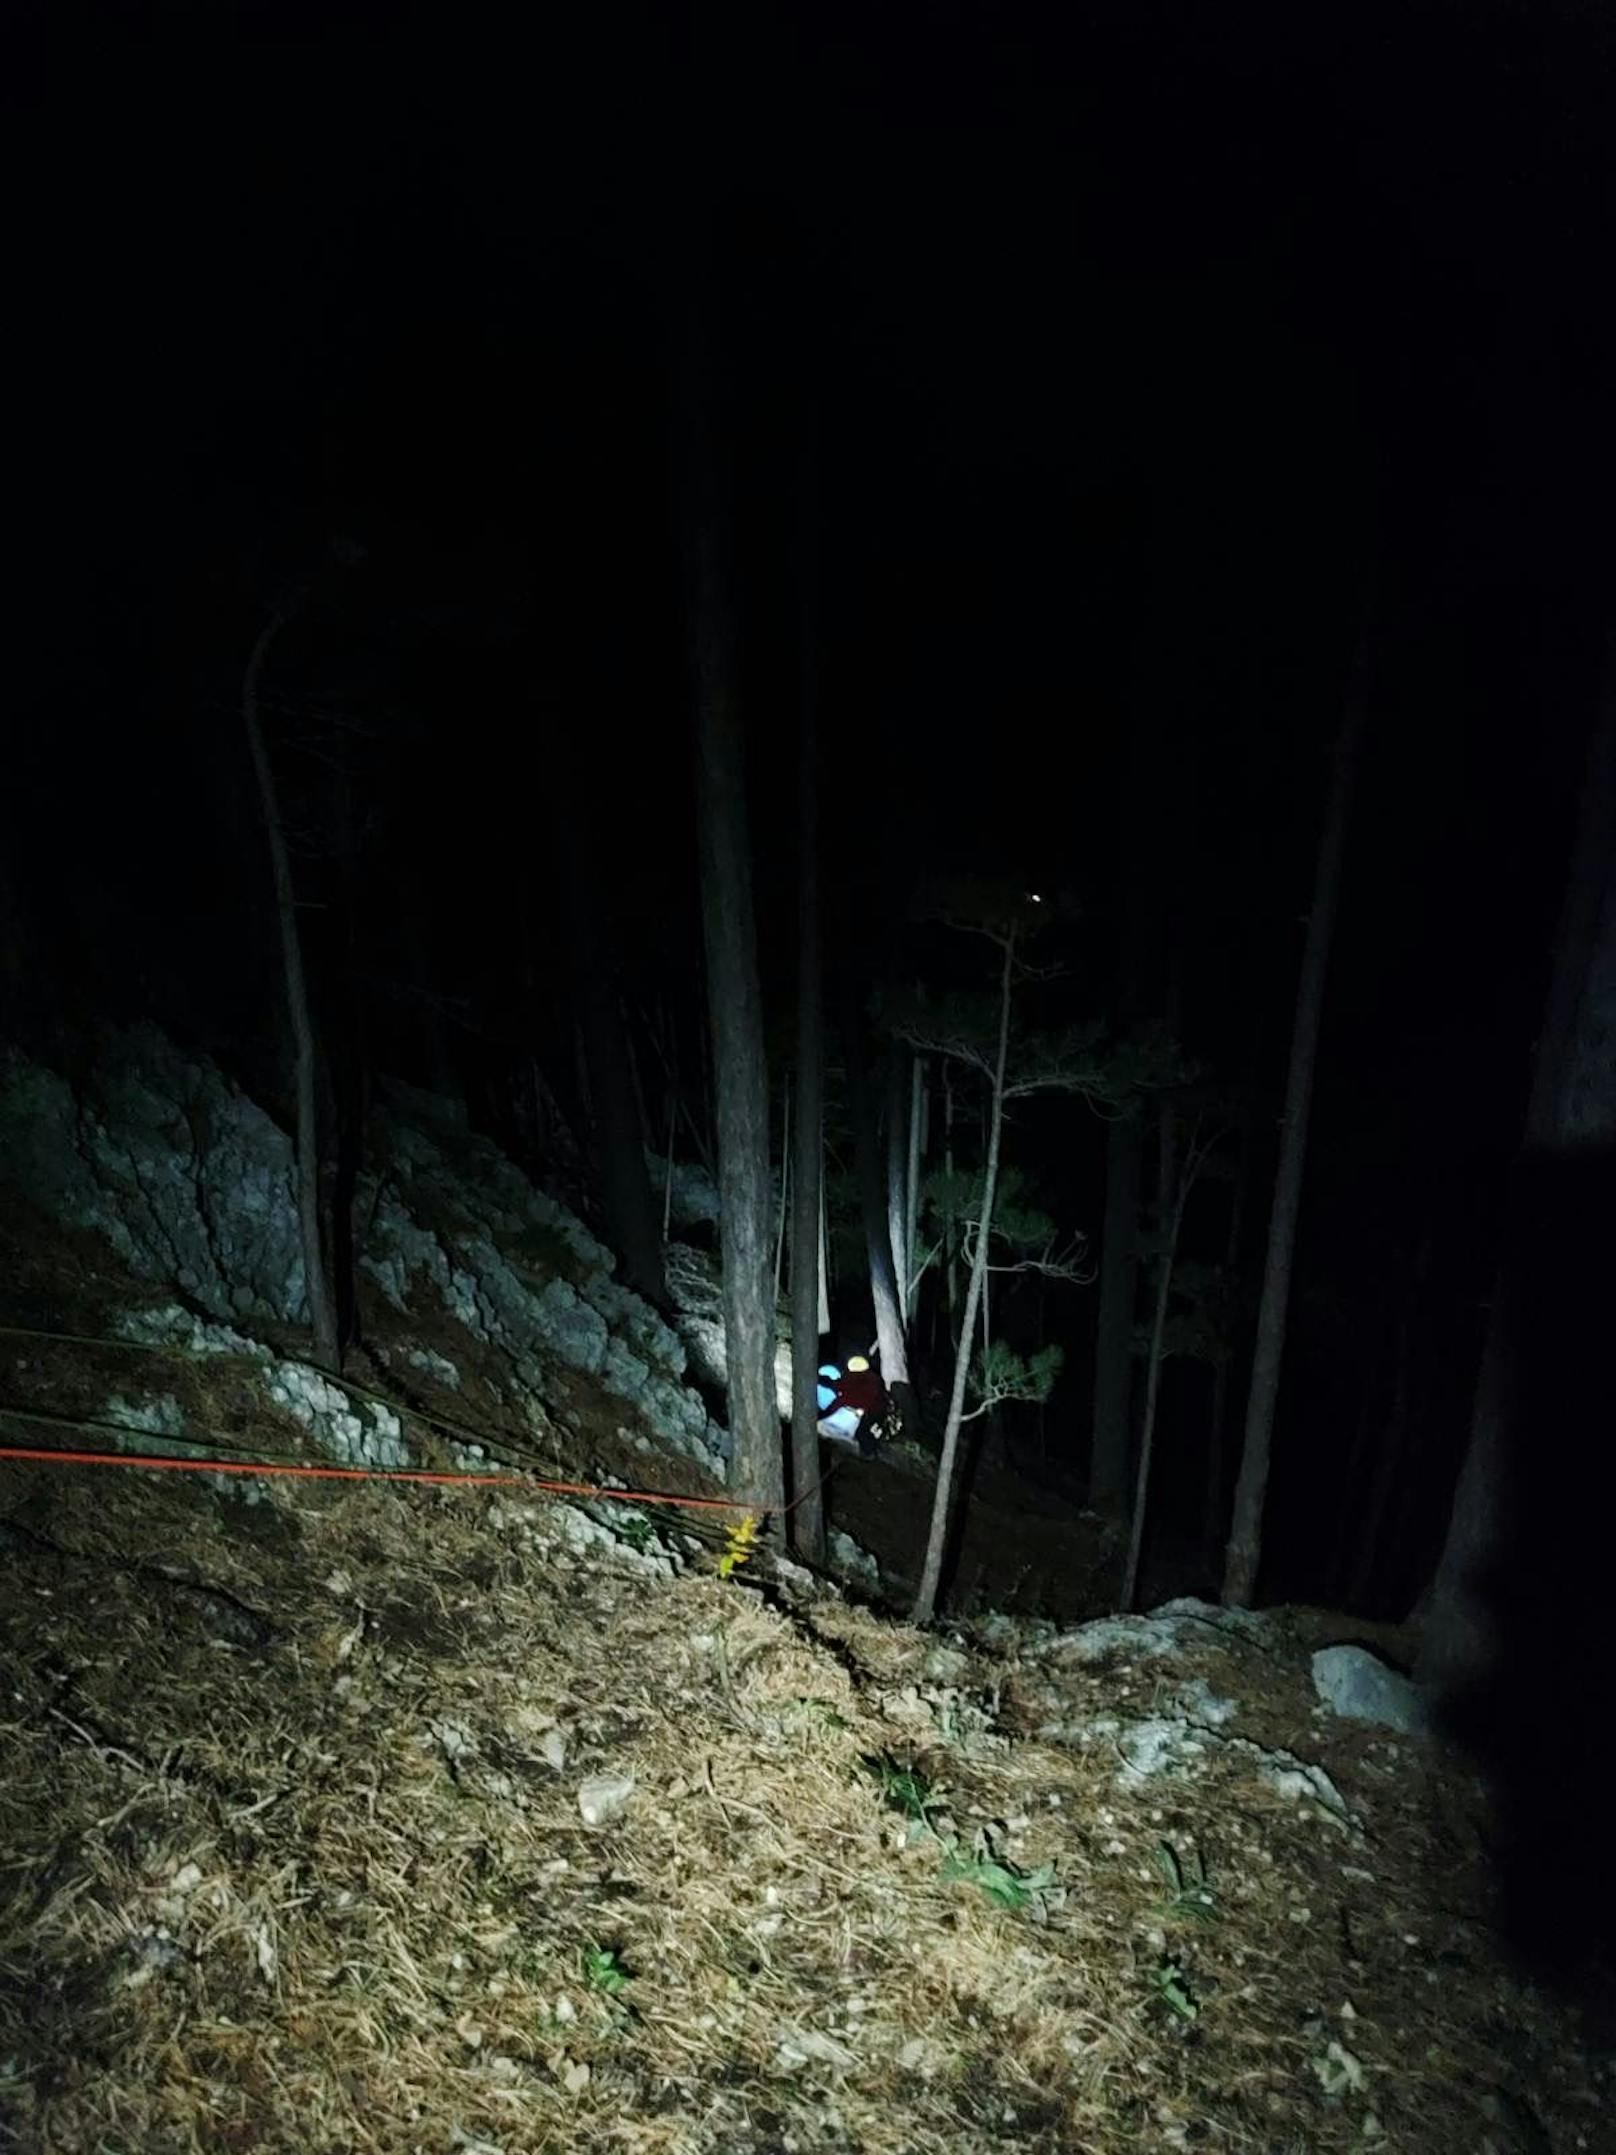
(1135, 340)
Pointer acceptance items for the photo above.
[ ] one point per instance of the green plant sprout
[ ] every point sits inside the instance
(1172, 1987)
(1190, 1898)
(905, 1788)
(1004, 1883)
(605, 1973)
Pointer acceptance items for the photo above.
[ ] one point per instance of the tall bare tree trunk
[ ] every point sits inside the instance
(350, 1089)
(889, 1328)
(897, 1180)
(317, 1282)
(1244, 1551)
(807, 1190)
(824, 1235)
(807, 1287)
(734, 1001)
(937, 1539)
(911, 1192)
(784, 1217)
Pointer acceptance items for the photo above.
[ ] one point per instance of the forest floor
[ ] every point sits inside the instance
(359, 1817)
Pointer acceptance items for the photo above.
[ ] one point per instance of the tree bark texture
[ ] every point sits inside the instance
(897, 1174)
(740, 1078)
(889, 1328)
(807, 1286)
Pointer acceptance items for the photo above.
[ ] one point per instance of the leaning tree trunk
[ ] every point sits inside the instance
(1245, 1530)
(322, 1303)
(735, 1009)
(937, 1540)
(807, 1287)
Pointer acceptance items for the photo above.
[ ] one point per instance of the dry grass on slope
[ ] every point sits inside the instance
(295, 1860)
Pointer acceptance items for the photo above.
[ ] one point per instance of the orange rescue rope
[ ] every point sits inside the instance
(50, 1455)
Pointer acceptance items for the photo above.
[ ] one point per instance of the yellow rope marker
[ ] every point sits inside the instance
(740, 1541)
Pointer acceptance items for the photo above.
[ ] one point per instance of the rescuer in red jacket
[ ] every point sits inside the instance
(855, 1391)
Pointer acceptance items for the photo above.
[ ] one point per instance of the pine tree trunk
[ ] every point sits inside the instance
(824, 1235)
(937, 1539)
(317, 1285)
(350, 1088)
(783, 1215)
(911, 1194)
(739, 1069)
(807, 1208)
(1245, 1530)
(897, 1178)
(889, 1328)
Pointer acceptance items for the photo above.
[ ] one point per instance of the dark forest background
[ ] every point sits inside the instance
(1149, 369)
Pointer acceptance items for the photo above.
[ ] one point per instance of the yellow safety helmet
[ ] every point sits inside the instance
(857, 1363)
